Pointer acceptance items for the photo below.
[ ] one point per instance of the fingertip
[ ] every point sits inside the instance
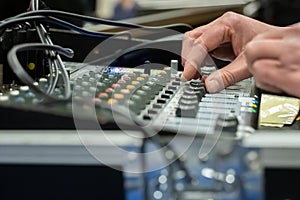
(190, 72)
(212, 86)
(184, 77)
(214, 83)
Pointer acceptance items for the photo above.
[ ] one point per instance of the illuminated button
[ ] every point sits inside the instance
(121, 81)
(145, 75)
(116, 86)
(254, 105)
(31, 66)
(131, 88)
(126, 78)
(103, 96)
(112, 101)
(118, 96)
(131, 75)
(125, 92)
(140, 79)
(109, 90)
(135, 83)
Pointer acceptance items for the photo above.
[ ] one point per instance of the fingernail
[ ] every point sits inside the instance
(213, 86)
(182, 78)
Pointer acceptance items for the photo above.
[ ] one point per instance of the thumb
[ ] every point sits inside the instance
(236, 71)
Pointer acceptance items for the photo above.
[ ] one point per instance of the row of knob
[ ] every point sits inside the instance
(135, 90)
(188, 104)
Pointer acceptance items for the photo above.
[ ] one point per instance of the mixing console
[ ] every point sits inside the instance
(152, 96)
(163, 139)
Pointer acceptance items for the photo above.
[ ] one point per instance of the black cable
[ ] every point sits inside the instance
(11, 22)
(7, 24)
(73, 27)
(96, 20)
(17, 68)
(57, 61)
(59, 22)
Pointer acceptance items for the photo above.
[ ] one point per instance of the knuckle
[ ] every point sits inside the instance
(229, 14)
(250, 49)
(230, 17)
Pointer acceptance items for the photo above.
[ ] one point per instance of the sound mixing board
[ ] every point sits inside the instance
(153, 96)
(215, 149)
(156, 98)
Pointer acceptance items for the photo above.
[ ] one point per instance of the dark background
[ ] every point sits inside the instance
(13, 7)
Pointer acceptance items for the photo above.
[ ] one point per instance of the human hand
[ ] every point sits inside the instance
(224, 38)
(274, 60)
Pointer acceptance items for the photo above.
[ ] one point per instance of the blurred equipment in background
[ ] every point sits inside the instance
(86, 7)
(125, 9)
(14, 7)
(278, 12)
